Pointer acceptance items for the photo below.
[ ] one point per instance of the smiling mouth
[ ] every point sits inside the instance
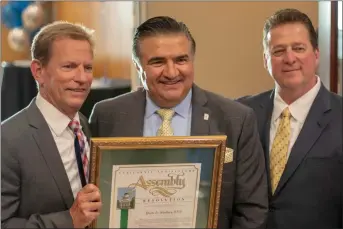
(77, 89)
(171, 82)
(293, 70)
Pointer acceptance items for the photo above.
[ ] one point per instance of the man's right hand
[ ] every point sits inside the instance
(86, 206)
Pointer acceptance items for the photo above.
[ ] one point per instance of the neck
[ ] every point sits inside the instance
(166, 104)
(289, 96)
(70, 113)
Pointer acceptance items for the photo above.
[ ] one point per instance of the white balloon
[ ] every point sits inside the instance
(33, 16)
(18, 40)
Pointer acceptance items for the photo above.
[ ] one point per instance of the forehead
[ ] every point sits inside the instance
(70, 49)
(288, 33)
(164, 45)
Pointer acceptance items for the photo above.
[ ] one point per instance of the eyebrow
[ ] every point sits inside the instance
(182, 56)
(76, 63)
(294, 44)
(159, 58)
(156, 58)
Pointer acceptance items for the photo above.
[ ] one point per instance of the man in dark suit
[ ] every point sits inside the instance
(300, 125)
(44, 150)
(163, 51)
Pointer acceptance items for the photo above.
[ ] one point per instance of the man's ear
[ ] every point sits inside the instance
(140, 71)
(138, 67)
(265, 59)
(135, 62)
(36, 70)
(317, 54)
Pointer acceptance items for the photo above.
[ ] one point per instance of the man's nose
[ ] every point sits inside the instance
(289, 57)
(171, 70)
(81, 74)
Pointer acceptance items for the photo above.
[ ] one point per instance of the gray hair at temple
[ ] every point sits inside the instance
(289, 16)
(161, 25)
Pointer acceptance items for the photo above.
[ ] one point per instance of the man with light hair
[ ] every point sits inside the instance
(44, 147)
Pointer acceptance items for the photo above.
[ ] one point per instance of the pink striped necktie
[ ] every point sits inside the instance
(75, 126)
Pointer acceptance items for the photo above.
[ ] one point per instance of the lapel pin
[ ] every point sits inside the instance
(206, 116)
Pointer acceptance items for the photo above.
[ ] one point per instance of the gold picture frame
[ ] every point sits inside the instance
(114, 160)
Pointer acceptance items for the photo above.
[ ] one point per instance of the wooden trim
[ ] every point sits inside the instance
(334, 47)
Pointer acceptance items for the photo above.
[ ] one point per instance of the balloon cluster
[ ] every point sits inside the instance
(23, 19)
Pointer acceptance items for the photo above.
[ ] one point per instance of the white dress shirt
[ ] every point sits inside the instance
(64, 139)
(299, 110)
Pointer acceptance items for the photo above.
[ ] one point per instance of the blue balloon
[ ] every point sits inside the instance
(10, 17)
(20, 5)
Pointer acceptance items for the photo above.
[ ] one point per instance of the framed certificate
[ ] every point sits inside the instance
(158, 182)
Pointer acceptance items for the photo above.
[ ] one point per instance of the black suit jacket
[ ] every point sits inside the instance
(35, 190)
(244, 188)
(309, 194)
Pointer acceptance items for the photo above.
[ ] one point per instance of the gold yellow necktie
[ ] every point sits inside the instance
(165, 128)
(278, 154)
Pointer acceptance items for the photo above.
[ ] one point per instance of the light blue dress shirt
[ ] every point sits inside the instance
(181, 121)
(181, 124)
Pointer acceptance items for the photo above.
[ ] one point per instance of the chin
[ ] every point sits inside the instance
(292, 79)
(76, 103)
(293, 84)
(176, 93)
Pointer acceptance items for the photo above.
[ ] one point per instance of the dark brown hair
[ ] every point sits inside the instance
(160, 25)
(287, 16)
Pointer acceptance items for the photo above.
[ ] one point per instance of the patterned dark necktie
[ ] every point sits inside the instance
(75, 126)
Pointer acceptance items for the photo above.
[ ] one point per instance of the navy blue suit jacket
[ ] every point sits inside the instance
(309, 194)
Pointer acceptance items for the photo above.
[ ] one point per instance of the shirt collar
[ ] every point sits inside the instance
(181, 109)
(300, 107)
(279, 106)
(57, 121)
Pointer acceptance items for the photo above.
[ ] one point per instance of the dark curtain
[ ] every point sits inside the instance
(99, 94)
(17, 90)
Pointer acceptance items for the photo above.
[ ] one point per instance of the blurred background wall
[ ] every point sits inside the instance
(228, 35)
(229, 38)
(113, 25)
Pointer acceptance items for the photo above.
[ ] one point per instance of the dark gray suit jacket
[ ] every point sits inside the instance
(35, 190)
(309, 194)
(244, 188)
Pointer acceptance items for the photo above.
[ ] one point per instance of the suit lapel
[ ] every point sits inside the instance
(266, 110)
(85, 127)
(316, 121)
(45, 142)
(202, 122)
(130, 120)
(264, 118)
